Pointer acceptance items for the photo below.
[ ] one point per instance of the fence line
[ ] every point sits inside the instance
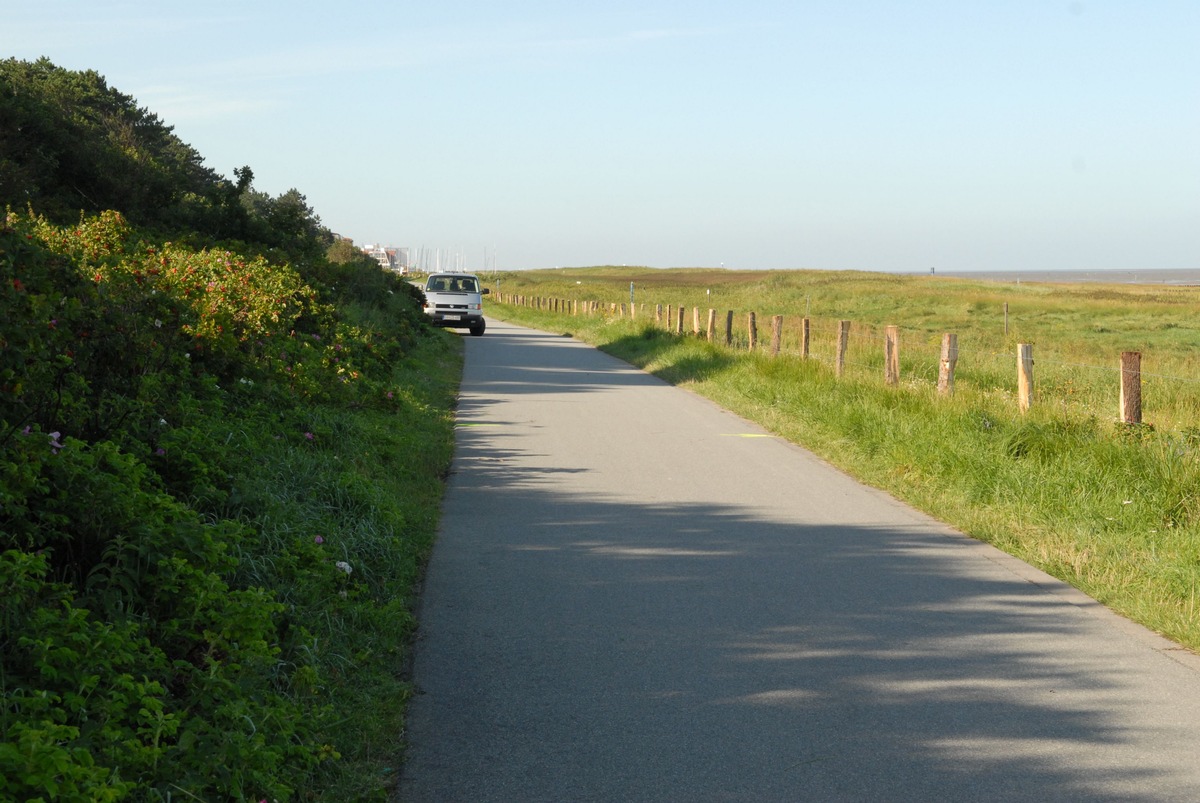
(899, 355)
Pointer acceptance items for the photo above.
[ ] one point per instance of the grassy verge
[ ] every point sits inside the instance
(345, 503)
(1113, 510)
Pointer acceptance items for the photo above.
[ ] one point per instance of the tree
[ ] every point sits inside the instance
(342, 252)
(73, 144)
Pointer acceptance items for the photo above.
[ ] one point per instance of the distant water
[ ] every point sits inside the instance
(1181, 278)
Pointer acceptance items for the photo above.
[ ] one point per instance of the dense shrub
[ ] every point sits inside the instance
(155, 639)
(126, 652)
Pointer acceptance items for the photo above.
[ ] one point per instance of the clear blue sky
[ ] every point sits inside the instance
(961, 135)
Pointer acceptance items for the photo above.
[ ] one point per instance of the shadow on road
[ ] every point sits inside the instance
(608, 649)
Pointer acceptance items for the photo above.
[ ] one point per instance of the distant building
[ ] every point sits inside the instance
(379, 254)
(388, 258)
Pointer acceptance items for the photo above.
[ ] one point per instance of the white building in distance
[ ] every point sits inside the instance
(388, 257)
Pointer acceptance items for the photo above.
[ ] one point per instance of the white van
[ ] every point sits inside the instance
(455, 300)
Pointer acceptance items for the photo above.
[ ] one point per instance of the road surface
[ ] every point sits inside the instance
(637, 596)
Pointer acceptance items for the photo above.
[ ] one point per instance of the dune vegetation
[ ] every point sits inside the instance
(223, 439)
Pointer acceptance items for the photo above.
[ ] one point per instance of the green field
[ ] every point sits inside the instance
(1113, 509)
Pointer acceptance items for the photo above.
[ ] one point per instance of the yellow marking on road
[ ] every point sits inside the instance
(745, 435)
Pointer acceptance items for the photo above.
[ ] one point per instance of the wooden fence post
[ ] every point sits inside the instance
(1025, 376)
(752, 326)
(843, 342)
(776, 334)
(679, 321)
(946, 365)
(658, 313)
(711, 333)
(804, 338)
(696, 321)
(729, 328)
(1131, 387)
(891, 355)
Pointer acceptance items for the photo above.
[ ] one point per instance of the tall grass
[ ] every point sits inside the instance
(323, 484)
(1112, 509)
(364, 491)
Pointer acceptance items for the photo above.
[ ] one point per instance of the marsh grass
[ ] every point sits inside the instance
(1078, 330)
(1112, 509)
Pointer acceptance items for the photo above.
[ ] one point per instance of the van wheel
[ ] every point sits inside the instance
(477, 329)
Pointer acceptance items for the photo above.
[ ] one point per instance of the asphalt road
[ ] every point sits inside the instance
(637, 596)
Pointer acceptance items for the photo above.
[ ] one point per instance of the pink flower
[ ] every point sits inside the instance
(308, 435)
(54, 444)
(319, 540)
